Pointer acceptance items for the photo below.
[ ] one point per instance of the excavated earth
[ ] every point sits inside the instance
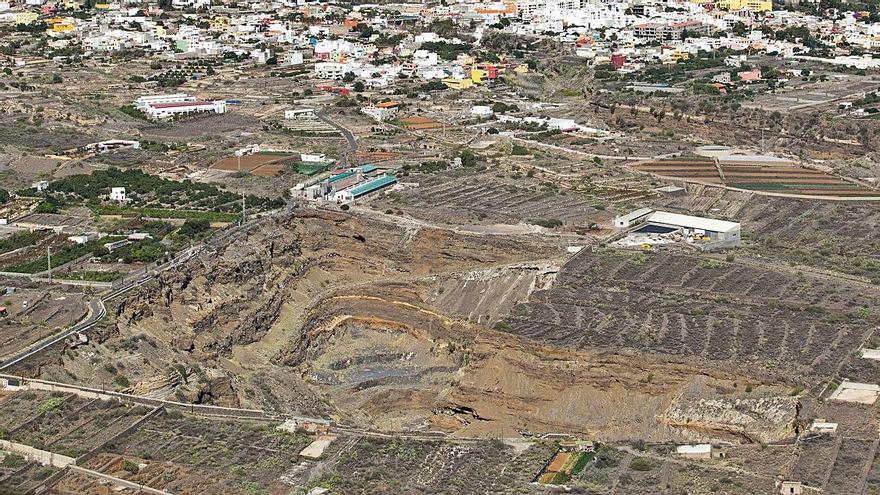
(349, 316)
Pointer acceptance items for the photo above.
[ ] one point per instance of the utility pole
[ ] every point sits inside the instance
(49, 262)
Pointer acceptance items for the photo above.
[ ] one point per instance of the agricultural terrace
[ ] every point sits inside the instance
(678, 304)
(783, 178)
(563, 466)
(488, 199)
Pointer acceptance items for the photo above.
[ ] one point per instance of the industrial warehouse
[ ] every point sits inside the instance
(346, 186)
(647, 229)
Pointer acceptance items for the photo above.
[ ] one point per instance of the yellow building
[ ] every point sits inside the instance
(26, 18)
(458, 83)
(102, 6)
(218, 23)
(62, 27)
(521, 69)
(752, 5)
(72, 4)
(479, 75)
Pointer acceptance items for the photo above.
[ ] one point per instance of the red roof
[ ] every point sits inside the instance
(181, 104)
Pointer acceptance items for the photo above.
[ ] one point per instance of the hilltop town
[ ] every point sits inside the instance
(458, 247)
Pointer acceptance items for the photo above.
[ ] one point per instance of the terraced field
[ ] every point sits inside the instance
(63, 424)
(676, 304)
(493, 200)
(850, 465)
(702, 170)
(785, 179)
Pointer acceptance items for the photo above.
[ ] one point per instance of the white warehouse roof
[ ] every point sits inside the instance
(691, 222)
(702, 448)
(629, 217)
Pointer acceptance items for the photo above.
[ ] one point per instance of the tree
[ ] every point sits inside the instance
(468, 158)
(359, 87)
(348, 77)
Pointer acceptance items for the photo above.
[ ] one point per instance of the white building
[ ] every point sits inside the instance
(160, 107)
(699, 451)
(144, 101)
(631, 218)
(300, 113)
(117, 194)
(319, 158)
(482, 111)
(293, 58)
(331, 70)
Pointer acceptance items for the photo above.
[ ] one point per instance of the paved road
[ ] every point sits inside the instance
(352, 141)
(97, 310)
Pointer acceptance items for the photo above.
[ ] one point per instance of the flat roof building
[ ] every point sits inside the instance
(625, 221)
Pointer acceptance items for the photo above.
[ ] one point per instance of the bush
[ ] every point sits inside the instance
(519, 150)
(13, 461)
(131, 467)
(549, 223)
(641, 464)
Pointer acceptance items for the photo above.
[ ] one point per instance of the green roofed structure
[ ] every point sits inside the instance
(373, 185)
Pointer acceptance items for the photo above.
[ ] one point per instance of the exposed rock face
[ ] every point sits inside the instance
(218, 301)
(763, 419)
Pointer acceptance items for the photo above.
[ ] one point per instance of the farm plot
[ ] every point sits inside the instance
(375, 465)
(204, 455)
(702, 170)
(33, 314)
(872, 481)
(419, 123)
(65, 424)
(674, 304)
(491, 201)
(18, 476)
(563, 466)
(851, 460)
(785, 179)
(263, 164)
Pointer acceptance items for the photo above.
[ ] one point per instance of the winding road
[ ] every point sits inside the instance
(347, 134)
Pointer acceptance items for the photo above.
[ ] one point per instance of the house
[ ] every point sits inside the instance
(293, 58)
(723, 78)
(382, 111)
(40, 186)
(458, 83)
(749, 76)
(482, 111)
(331, 70)
(117, 194)
(161, 111)
(308, 158)
(78, 239)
